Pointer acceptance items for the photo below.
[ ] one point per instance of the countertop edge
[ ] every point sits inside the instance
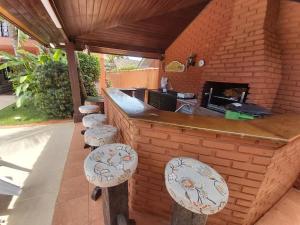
(280, 141)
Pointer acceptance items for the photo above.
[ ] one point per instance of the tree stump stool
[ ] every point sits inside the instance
(197, 189)
(98, 136)
(109, 167)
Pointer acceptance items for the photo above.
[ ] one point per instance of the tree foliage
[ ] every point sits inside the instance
(53, 93)
(43, 79)
(21, 71)
(90, 72)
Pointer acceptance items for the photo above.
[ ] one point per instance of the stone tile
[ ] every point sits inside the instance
(73, 187)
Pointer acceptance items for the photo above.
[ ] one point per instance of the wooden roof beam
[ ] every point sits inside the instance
(120, 49)
(104, 50)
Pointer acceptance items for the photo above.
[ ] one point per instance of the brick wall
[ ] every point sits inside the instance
(288, 98)
(248, 166)
(281, 174)
(203, 37)
(255, 42)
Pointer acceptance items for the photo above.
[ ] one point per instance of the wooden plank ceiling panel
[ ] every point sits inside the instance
(32, 17)
(145, 26)
(111, 13)
(135, 25)
(158, 31)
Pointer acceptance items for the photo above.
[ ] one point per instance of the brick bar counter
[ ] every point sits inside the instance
(259, 159)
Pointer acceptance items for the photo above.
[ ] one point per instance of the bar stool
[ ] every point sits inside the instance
(197, 189)
(88, 109)
(95, 100)
(93, 120)
(98, 136)
(109, 167)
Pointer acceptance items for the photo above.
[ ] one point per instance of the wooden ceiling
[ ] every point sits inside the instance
(134, 27)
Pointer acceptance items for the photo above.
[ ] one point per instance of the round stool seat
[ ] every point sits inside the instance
(93, 100)
(196, 186)
(99, 136)
(110, 165)
(93, 120)
(88, 109)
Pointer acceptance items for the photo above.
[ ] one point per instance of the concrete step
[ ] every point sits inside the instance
(4, 88)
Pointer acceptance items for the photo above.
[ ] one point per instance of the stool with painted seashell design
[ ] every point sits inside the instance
(197, 189)
(98, 136)
(109, 167)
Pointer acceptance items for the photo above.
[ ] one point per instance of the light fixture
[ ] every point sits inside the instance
(52, 45)
(51, 13)
(62, 43)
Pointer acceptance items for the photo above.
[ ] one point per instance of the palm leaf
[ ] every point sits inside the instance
(57, 55)
(10, 64)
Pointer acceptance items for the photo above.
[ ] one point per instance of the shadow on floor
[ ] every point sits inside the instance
(40, 152)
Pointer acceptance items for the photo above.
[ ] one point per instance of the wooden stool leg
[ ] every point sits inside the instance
(182, 216)
(115, 202)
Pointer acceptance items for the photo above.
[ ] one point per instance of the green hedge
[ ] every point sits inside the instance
(53, 93)
(90, 72)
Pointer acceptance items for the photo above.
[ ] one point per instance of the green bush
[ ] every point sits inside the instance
(53, 93)
(90, 70)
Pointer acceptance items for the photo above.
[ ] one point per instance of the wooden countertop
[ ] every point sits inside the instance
(278, 128)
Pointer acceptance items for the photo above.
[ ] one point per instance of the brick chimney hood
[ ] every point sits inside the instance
(254, 42)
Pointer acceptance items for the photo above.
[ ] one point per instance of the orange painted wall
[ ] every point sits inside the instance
(29, 45)
(146, 78)
(6, 45)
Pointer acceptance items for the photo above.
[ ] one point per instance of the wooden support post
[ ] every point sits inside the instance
(74, 80)
(115, 202)
(182, 216)
(102, 74)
